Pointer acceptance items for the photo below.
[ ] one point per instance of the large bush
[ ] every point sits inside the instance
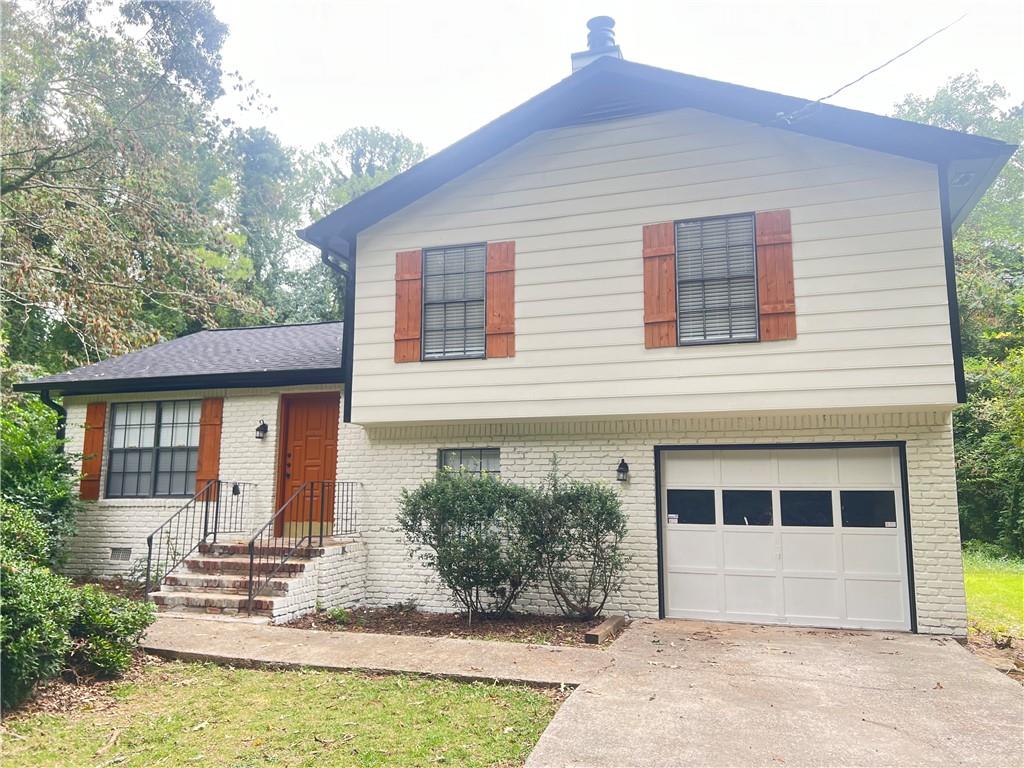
(578, 529)
(36, 611)
(469, 530)
(34, 474)
(22, 537)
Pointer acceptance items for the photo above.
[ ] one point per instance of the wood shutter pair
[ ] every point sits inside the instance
(775, 292)
(500, 299)
(211, 419)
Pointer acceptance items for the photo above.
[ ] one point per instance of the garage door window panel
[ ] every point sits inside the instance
(691, 507)
(868, 509)
(747, 507)
(811, 509)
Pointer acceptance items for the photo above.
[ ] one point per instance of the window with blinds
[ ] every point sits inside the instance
(453, 302)
(473, 460)
(717, 280)
(153, 448)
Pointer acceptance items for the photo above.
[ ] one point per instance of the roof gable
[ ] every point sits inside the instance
(611, 88)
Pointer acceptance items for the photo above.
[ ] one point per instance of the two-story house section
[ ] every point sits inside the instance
(747, 298)
(737, 306)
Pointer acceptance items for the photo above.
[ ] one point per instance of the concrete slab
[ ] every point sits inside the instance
(246, 644)
(683, 693)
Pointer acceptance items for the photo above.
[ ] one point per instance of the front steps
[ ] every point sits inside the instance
(215, 580)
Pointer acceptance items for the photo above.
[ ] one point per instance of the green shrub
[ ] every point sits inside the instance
(578, 528)
(22, 537)
(36, 610)
(469, 530)
(106, 630)
(339, 615)
(34, 474)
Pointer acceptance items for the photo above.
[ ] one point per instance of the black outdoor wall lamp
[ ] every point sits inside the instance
(622, 473)
(261, 430)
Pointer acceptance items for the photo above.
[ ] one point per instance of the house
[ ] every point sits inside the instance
(740, 302)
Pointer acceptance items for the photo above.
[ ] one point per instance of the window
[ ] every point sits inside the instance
(453, 302)
(806, 508)
(475, 460)
(717, 285)
(747, 507)
(688, 507)
(868, 509)
(153, 448)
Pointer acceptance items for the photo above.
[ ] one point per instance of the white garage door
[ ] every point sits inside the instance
(810, 537)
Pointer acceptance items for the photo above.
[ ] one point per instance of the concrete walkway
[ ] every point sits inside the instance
(248, 644)
(687, 693)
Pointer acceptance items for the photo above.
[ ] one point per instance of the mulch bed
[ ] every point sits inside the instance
(516, 627)
(116, 585)
(1009, 659)
(72, 693)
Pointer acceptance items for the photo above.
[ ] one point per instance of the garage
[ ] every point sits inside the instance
(807, 536)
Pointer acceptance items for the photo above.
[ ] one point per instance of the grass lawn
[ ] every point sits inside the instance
(995, 594)
(176, 714)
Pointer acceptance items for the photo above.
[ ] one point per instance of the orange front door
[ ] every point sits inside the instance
(309, 453)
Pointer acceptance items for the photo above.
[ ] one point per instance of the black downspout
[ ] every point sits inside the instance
(951, 296)
(62, 417)
(348, 329)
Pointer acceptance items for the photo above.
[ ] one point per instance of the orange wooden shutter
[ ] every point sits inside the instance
(92, 451)
(408, 305)
(211, 418)
(501, 299)
(776, 301)
(660, 285)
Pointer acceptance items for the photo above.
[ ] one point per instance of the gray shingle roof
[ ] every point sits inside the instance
(265, 355)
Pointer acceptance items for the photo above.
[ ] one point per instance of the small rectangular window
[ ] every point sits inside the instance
(747, 507)
(474, 460)
(691, 507)
(121, 554)
(153, 448)
(454, 282)
(812, 509)
(868, 509)
(716, 273)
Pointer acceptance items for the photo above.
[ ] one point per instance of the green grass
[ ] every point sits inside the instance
(995, 593)
(194, 714)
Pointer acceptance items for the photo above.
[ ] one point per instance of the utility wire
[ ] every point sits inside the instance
(793, 116)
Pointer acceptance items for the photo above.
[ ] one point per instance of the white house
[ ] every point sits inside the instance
(747, 298)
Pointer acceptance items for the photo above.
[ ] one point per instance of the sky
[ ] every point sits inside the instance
(438, 70)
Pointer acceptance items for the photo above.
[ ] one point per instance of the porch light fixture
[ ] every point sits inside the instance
(622, 473)
(261, 430)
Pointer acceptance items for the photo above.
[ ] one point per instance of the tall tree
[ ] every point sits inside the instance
(111, 222)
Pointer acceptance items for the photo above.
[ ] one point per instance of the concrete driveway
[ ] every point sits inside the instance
(683, 693)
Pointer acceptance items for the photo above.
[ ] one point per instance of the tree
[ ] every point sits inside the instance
(111, 216)
(989, 251)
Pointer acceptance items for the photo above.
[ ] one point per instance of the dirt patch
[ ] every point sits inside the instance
(517, 627)
(1004, 653)
(72, 694)
(116, 585)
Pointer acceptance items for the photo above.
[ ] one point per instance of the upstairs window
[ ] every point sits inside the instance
(153, 449)
(474, 460)
(453, 302)
(717, 279)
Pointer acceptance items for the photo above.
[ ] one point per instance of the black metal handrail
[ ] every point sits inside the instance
(218, 507)
(317, 510)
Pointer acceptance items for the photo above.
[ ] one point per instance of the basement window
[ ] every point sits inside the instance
(121, 554)
(473, 460)
(717, 279)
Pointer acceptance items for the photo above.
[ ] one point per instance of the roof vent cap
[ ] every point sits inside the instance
(600, 42)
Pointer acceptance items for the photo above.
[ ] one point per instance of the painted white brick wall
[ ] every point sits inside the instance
(388, 458)
(111, 523)
(335, 580)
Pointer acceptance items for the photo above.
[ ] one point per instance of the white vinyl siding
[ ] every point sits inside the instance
(870, 288)
(717, 280)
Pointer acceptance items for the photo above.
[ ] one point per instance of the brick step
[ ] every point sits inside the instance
(225, 583)
(210, 602)
(239, 564)
(242, 548)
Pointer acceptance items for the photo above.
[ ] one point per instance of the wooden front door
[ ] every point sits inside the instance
(309, 450)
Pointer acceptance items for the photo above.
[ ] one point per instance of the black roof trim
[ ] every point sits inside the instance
(595, 90)
(174, 383)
